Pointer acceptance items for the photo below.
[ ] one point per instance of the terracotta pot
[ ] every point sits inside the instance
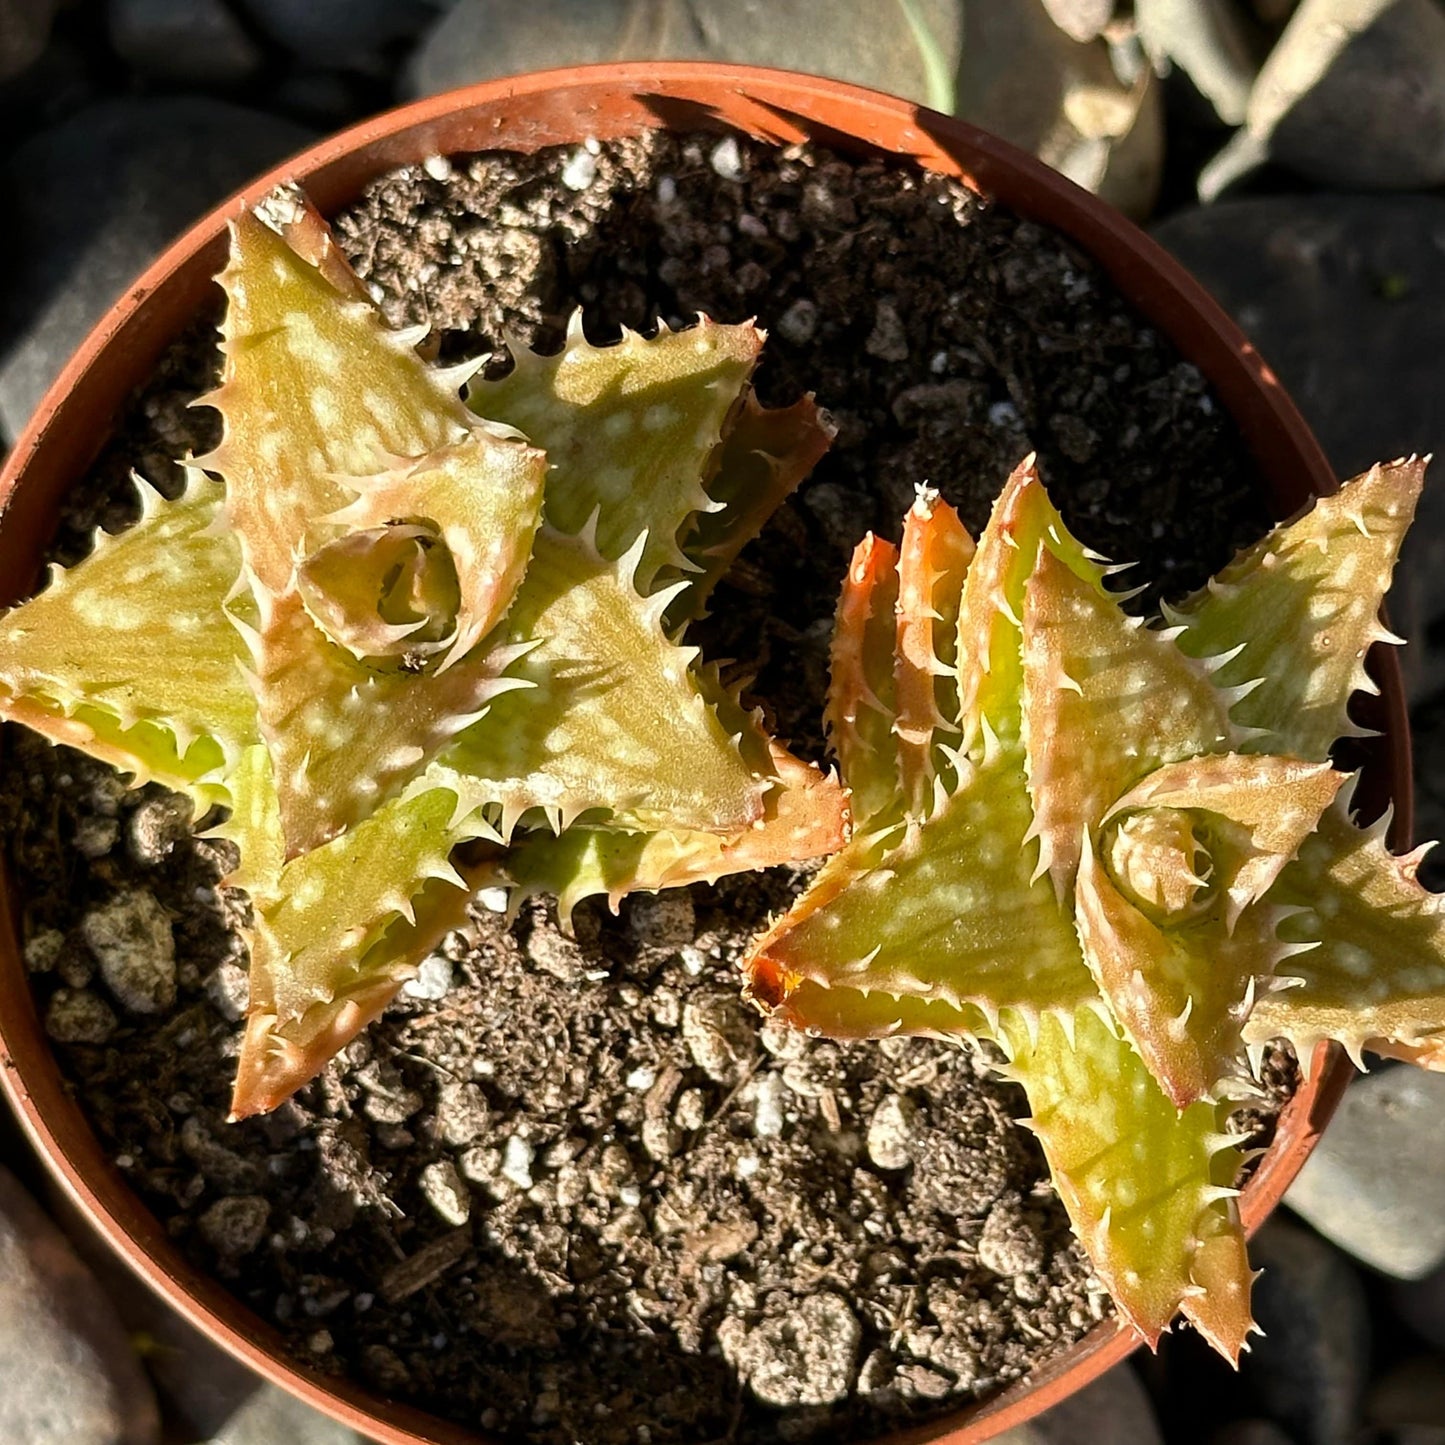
(524, 114)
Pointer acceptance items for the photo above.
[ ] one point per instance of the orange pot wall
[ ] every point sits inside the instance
(525, 113)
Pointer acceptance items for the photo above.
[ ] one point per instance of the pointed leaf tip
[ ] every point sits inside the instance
(933, 562)
(862, 705)
(1306, 601)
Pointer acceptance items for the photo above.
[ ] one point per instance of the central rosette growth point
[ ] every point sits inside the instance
(387, 591)
(1159, 862)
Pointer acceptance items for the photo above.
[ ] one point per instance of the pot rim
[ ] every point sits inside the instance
(774, 105)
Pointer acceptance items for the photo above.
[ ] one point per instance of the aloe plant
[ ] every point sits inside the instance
(398, 633)
(1120, 853)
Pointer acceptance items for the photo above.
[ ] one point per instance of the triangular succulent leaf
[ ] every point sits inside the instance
(78, 660)
(862, 705)
(383, 592)
(1105, 702)
(1367, 949)
(279, 1056)
(612, 717)
(333, 903)
(804, 817)
(315, 388)
(1217, 1300)
(1298, 611)
(766, 452)
(1147, 1187)
(344, 737)
(946, 909)
(990, 666)
(628, 430)
(932, 563)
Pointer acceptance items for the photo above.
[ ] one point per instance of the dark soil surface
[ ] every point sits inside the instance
(573, 1190)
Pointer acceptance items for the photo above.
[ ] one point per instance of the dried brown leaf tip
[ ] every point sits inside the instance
(1120, 853)
(412, 614)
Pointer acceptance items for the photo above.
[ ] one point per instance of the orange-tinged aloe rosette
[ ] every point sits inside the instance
(1118, 852)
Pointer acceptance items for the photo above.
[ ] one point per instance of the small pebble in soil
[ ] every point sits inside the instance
(461, 1113)
(556, 954)
(517, 1157)
(95, 837)
(77, 1016)
(769, 1096)
(234, 1227)
(889, 1133)
(798, 323)
(805, 1357)
(443, 1189)
(131, 939)
(43, 949)
(719, 1035)
(662, 920)
(1009, 1244)
(433, 978)
(228, 988)
(156, 826)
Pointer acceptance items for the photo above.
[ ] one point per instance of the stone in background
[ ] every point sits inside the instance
(94, 200)
(68, 1374)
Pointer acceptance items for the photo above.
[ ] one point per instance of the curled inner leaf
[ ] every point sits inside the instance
(383, 592)
(1160, 863)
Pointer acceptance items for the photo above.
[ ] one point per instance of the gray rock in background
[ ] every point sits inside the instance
(1352, 96)
(272, 1417)
(1080, 19)
(68, 1375)
(1273, 13)
(24, 29)
(345, 33)
(1375, 1184)
(327, 99)
(1114, 1410)
(1309, 1369)
(200, 1386)
(1410, 1397)
(55, 86)
(199, 42)
(93, 200)
(1421, 1304)
(1250, 1432)
(1345, 298)
(205, 1395)
(1078, 107)
(1207, 40)
(872, 45)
